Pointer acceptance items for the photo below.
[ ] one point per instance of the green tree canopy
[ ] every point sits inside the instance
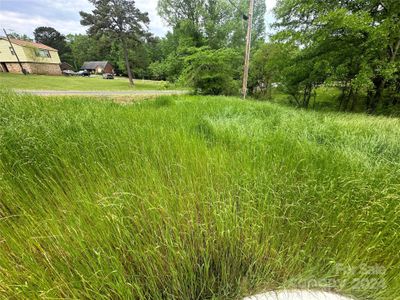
(121, 21)
(213, 23)
(352, 44)
(51, 37)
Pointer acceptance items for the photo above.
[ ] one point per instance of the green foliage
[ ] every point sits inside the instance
(212, 72)
(213, 23)
(88, 48)
(266, 65)
(51, 37)
(352, 44)
(121, 22)
(211, 198)
(117, 19)
(158, 70)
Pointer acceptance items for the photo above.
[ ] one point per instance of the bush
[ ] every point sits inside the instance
(212, 72)
(158, 70)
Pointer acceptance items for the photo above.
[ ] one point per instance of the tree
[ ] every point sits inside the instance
(352, 44)
(87, 48)
(212, 72)
(238, 24)
(266, 67)
(213, 23)
(173, 11)
(121, 21)
(51, 37)
(18, 36)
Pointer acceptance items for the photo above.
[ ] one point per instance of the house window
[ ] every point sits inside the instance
(42, 53)
(12, 51)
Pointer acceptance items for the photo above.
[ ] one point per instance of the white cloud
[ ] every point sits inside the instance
(24, 23)
(72, 6)
(23, 16)
(62, 15)
(269, 17)
(157, 25)
(270, 5)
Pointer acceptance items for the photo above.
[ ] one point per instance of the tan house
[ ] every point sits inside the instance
(35, 58)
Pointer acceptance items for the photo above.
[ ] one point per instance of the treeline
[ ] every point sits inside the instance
(209, 34)
(350, 46)
(75, 49)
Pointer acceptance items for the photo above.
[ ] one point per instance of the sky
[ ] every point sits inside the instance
(23, 16)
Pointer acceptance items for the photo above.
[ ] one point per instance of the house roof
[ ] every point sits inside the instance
(66, 64)
(30, 44)
(91, 65)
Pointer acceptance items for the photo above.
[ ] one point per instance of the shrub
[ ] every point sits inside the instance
(212, 72)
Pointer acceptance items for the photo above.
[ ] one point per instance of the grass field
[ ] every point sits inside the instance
(195, 198)
(43, 82)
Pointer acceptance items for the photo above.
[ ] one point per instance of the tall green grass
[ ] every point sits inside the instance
(194, 198)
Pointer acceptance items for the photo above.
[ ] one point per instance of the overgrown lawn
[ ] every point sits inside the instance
(194, 198)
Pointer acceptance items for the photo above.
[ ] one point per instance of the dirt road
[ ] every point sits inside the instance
(102, 93)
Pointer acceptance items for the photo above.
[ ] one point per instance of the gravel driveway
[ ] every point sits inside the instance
(102, 93)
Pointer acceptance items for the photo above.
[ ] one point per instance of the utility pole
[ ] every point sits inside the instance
(15, 52)
(248, 46)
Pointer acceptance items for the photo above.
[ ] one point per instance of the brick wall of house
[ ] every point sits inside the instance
(13, 67)
(35, 68)
(49, 69)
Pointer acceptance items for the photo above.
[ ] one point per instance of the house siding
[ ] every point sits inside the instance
(30, 56)
(108, 68)
(5, 53)
(29, 60)
(97, 67)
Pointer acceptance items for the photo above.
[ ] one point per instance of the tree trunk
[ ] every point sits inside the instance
(307, 95)
(128, 67)
(341, 97)
(396, 98)
(354, 100)
(314, 95)
(379, 87)
(345, 91)
(269, 91)
(348, 98)
(296, 98)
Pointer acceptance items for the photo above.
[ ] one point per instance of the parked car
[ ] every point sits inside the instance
(108, 76)
(83, 73)
(68, 73)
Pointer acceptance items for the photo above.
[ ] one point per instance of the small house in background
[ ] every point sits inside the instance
(98, 67)
(66, 66)
(35, 58)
